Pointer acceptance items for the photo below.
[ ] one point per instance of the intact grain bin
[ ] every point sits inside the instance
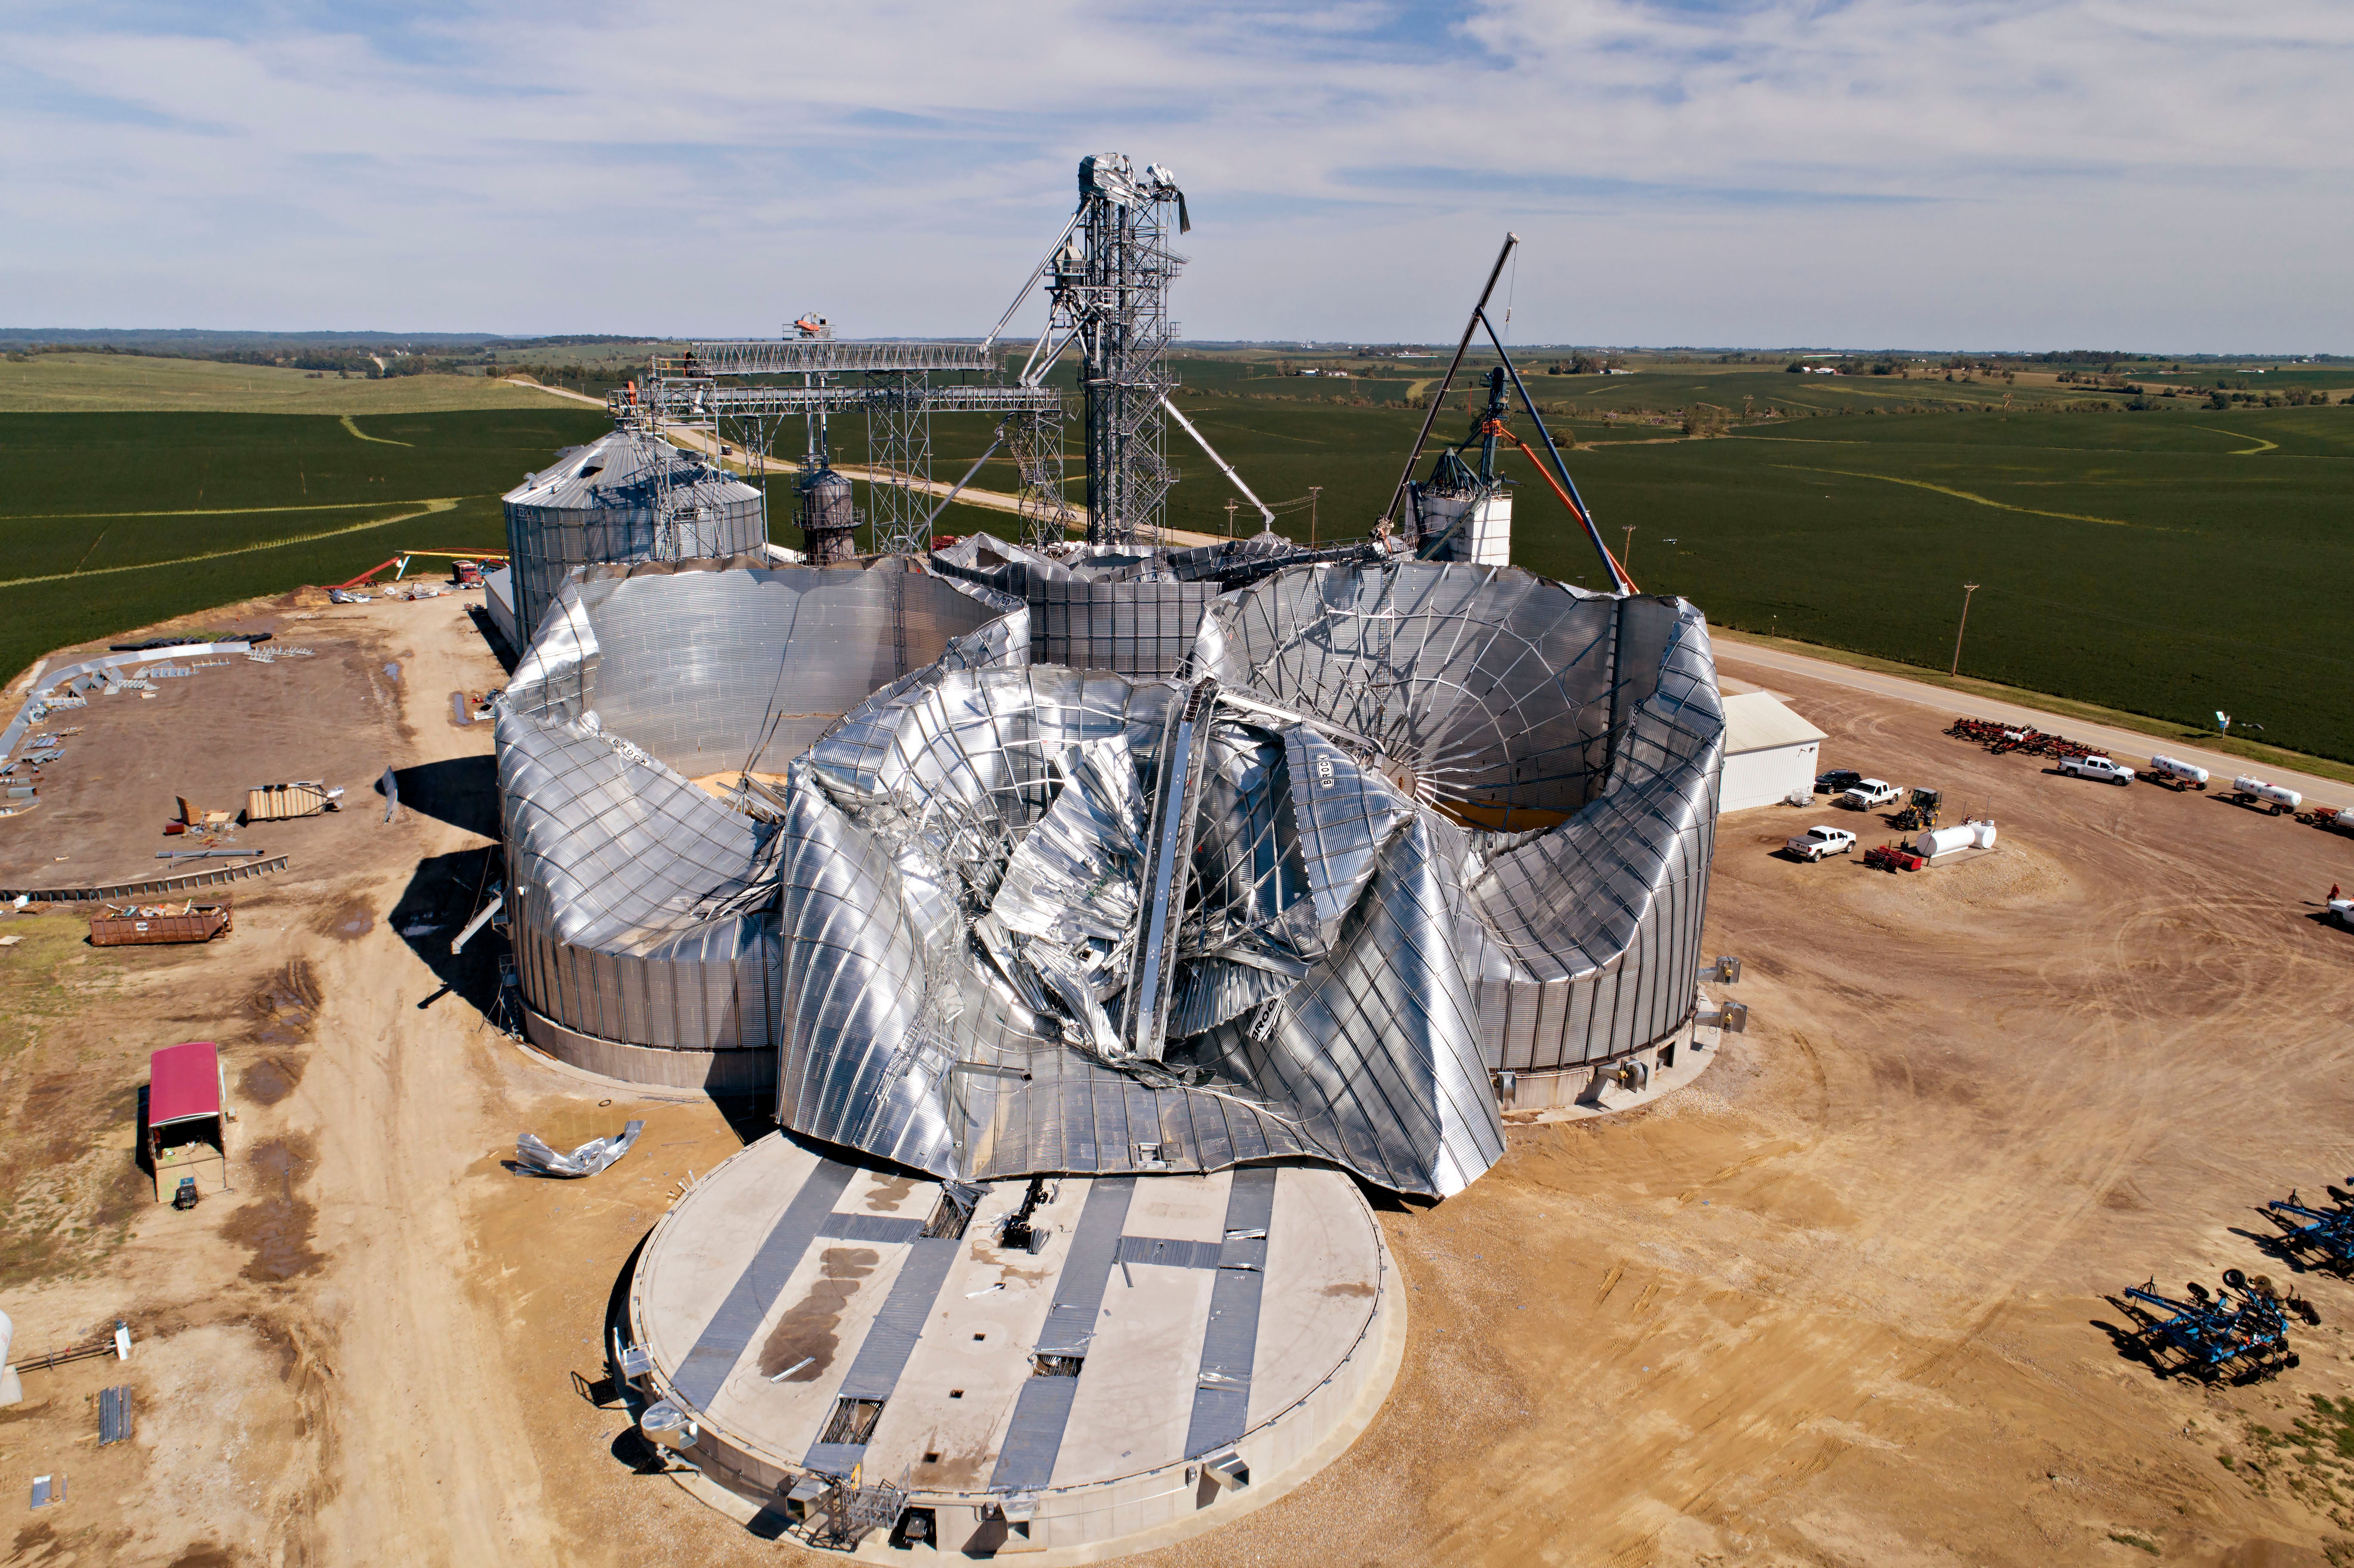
(624, 498)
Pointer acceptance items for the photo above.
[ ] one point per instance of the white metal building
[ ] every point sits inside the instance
(498, 600)
(1769, 752)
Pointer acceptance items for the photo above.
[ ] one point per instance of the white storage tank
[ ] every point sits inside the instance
(1945, 841)
(1984, 832)
(2287, 800)
(2189, 772)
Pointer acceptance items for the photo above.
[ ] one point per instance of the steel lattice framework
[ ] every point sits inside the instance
(1107, 278)
(1036, 442)
(697, 394)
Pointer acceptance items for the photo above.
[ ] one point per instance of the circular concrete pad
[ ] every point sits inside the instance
(1167, 1350)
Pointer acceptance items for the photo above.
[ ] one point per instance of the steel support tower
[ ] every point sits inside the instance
(1107, 282)
(1036, 440)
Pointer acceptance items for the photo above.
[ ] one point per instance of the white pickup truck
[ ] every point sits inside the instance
(1866, 793)
(1817, 843)
(2099, 767)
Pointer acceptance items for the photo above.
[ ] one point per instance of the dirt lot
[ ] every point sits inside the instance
(1840, 1302)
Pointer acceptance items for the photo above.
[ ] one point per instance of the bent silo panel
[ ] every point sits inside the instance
(1588, 722)
(643, 908)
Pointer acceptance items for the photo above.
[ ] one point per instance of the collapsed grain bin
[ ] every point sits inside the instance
(1397, 831)
(1391, 846)
(641, 748)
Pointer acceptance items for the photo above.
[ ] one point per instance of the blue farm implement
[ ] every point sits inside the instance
(2326, 1233)
(2240, 1332)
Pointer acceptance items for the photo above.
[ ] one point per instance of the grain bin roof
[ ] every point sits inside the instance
(618, 469)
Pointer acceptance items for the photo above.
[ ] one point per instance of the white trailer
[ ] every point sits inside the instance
(2271, 798)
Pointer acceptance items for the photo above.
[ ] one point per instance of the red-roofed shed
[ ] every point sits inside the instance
(188, 1115)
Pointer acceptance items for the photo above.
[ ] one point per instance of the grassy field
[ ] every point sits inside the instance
(115, 521)
(2163, 565)
(2167, 564)
(111, 383)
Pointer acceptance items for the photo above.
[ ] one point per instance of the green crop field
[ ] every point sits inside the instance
(109, 383)
(115, 521)
(2166, 563)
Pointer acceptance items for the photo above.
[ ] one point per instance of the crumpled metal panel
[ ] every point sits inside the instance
(532, 1153)
(1431, 820)
(1577, 738)
(921, 1029)
(642, 908)
(1069, 900)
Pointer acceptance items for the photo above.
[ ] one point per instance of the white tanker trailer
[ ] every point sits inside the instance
(2271, 798)
(2177, 775)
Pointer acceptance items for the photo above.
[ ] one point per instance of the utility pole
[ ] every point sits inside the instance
(1231, 504)
(1313, 492)
(1968, 589)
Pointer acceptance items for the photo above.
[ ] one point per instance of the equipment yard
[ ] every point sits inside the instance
(1850, 1298)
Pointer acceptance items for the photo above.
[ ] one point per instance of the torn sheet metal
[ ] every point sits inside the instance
(642, 906)
(585, 1160)
(1452, 814)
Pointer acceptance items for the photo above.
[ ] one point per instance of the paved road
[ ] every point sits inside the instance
(2129, 744)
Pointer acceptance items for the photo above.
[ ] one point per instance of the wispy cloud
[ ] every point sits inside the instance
(1758, 171)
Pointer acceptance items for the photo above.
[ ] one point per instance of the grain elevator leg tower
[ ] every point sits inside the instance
(1109, 284)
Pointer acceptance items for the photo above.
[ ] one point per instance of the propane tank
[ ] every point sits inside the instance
(1944, 841)
(2190, 773)
(2288, 800)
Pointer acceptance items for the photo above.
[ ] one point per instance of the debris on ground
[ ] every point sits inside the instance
(592, 1157)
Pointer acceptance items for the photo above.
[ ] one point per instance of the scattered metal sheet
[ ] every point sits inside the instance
(113, 1415)
(585, 1160)
(1169, 1254)
(153, 887)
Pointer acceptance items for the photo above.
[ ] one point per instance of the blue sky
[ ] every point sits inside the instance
(1933, 173)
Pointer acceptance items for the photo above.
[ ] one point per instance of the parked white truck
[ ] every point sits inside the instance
(1817, 843)
(1866, 793)
(2100, 767)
